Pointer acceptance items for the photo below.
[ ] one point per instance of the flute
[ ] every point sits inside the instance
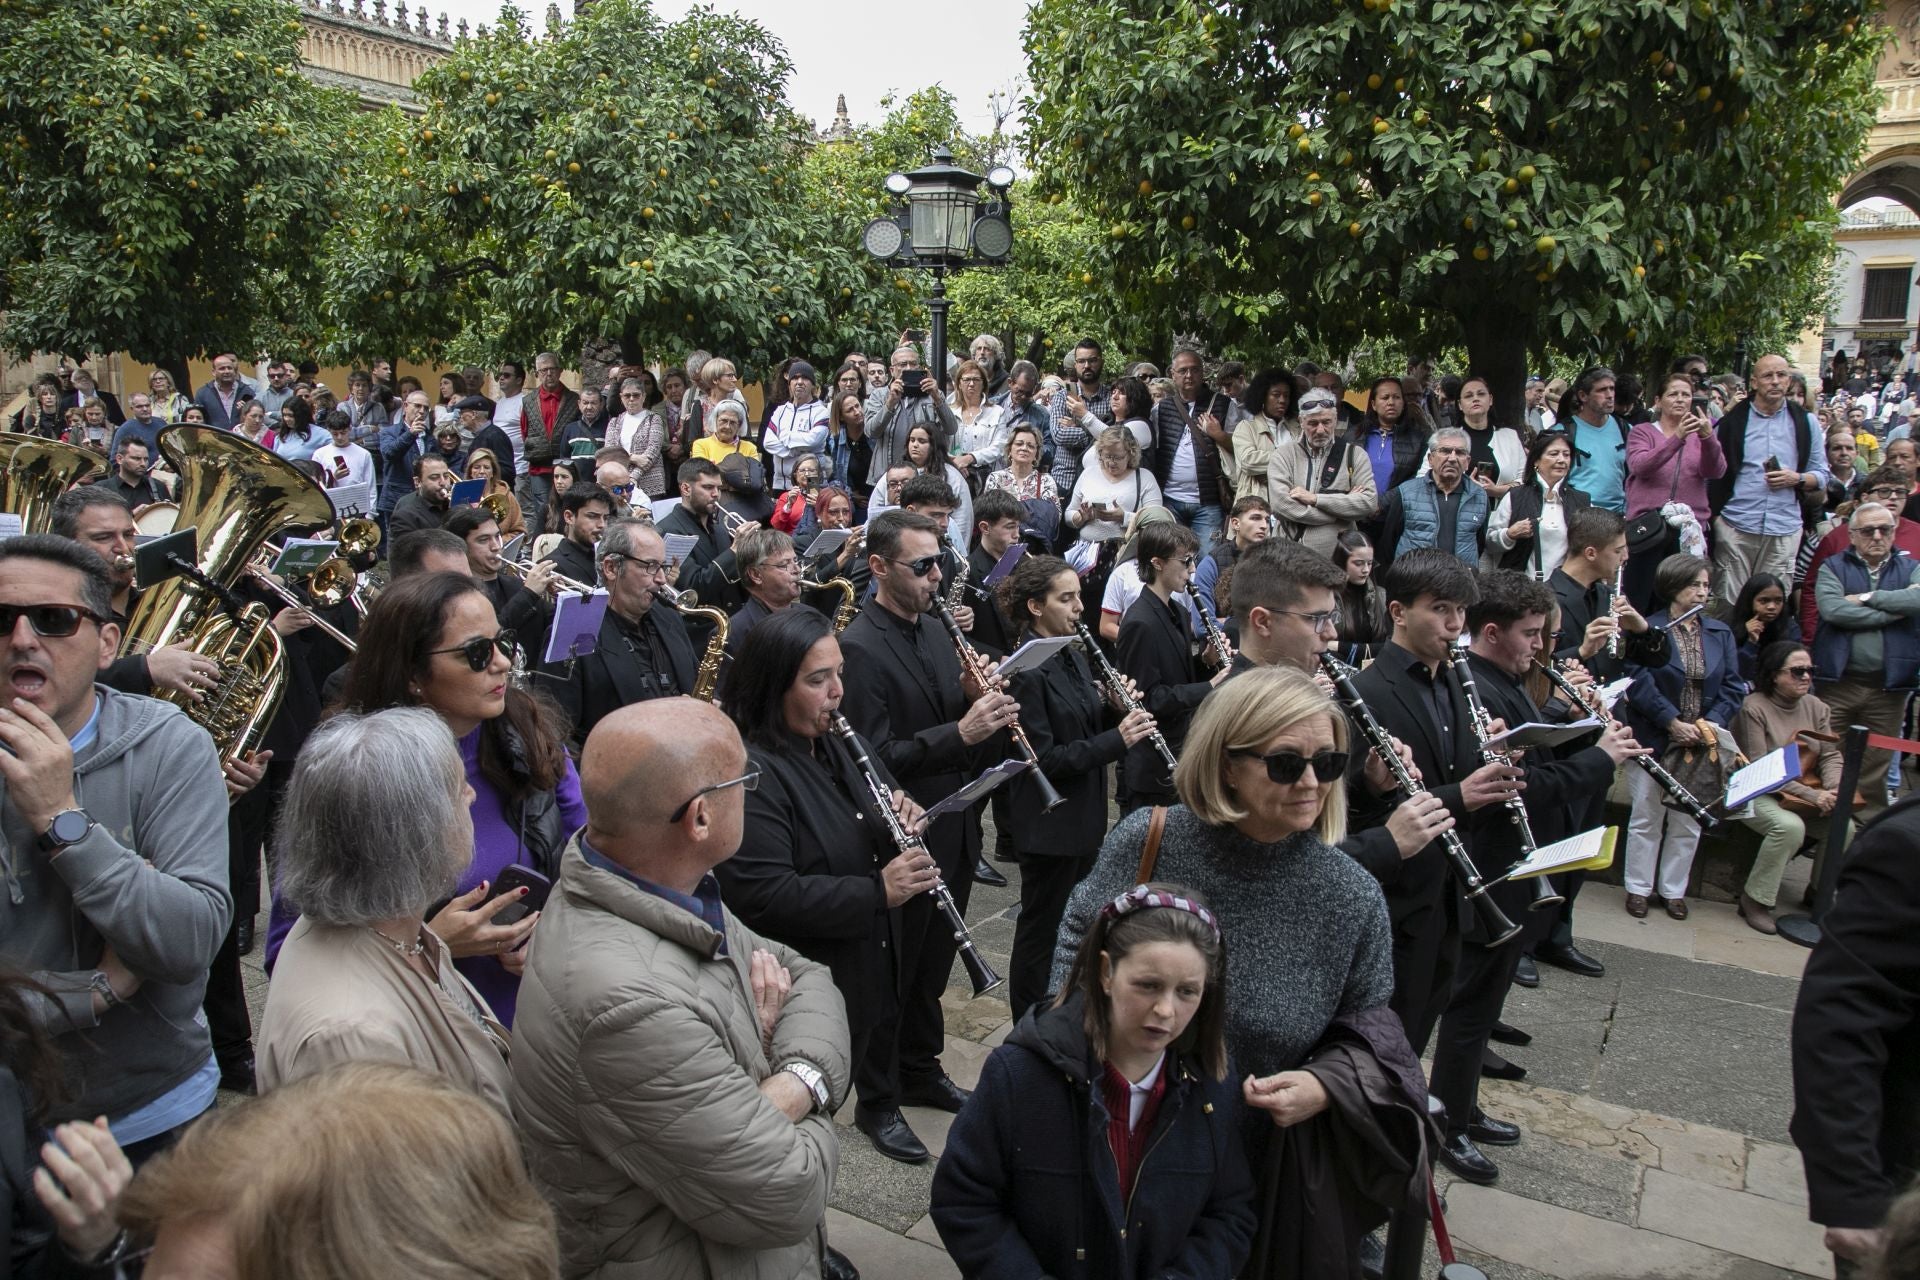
(1654, 769)
(1116, 685)
(1543, 894)
(1616, 643)
(1492, 918)
(979, 972)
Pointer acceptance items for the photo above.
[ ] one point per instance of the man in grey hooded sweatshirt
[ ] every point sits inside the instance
(114, 812)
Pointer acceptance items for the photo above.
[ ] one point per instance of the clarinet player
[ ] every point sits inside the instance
(1507, 626)
(1068, 722)
(1156, 653)
(910, 705)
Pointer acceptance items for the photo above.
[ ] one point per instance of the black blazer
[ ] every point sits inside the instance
(808, 871)
(574, 561)
(709, 570)
(991, 630)
(590, 687)
(493, 438)
(1066, 721)
(1155, 650)
(914, 723)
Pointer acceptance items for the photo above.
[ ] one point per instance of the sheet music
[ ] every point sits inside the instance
(1767, 774)
(1032, 654)
(825, 543)
(1589, 847)
(351, 499)
(680, 546)
(575, 628)
(10, 526)
(1535, 734)
(980, 786)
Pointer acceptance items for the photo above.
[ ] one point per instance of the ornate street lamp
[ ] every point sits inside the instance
(942, 225)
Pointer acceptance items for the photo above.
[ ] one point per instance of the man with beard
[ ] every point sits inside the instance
(427, 506)
(1439, 509)
(710, 569)
(1084, 393)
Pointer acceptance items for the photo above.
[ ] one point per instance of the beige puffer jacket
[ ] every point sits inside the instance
(636, 1070)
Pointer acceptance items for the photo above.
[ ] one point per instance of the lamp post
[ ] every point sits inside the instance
(942, 225)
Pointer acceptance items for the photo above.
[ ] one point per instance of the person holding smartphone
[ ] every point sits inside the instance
(1105, 498)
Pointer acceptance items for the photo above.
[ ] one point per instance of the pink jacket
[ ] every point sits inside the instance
(1651, 458)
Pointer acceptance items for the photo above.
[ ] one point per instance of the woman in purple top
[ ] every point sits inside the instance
(433, 641)
(1678, 442)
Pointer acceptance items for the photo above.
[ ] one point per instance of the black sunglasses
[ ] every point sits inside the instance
(1799, 673)
(919, 568)
(49, 621)
(1286, 767)
(479, 651)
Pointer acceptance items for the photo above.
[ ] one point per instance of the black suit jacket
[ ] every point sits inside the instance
(914, 723)
(1156, 653)
(590, 687)
(709, 570)
(572, 560)
(992, 631)
(1066, 721)
(808, 871)
(493, 438)
(1579, 606)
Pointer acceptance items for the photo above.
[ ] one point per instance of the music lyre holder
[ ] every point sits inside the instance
(177, 555)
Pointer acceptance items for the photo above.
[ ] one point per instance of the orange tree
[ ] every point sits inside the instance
(1512, 177)
(158, 160)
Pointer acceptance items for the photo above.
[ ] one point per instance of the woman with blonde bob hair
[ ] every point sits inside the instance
(330, 1177)
(1262, 785)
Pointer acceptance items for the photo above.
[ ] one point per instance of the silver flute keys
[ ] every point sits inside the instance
(1617, 643)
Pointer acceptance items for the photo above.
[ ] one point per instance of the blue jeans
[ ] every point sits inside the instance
(1205, 519)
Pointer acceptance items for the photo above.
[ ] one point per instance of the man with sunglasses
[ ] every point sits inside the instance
(675, 1074)
(1866, 648)
(1507, 626)
(642, 650)
(125, 894)
(910, 703)
(1887, 486)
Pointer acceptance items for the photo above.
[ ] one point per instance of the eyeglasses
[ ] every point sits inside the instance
(1331, 618)
(478, 651)
(647, 567)
(1287, 767)
(919, 568)
(1874, 530)
(1888, 493)
(1798, 673)
(49, 621)
(785, 566)
(748, 782)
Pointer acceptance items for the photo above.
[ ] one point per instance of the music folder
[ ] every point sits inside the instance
(467, 492)
(575, 628)
(980, 787)
(1763, 777)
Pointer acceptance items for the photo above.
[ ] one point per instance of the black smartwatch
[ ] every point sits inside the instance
(69, 826)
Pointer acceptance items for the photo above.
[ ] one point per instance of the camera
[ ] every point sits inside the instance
(914, 382)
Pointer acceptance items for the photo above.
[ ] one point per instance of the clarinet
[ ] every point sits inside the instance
(1654, 769)
(1216, 639)
(1492, 918)
(1118, 688)
(1543, 894)
(970, 659)
(979, 972)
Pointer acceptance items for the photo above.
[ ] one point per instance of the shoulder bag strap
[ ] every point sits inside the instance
(1150, 855)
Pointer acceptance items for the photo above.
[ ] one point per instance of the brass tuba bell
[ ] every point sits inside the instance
(34, 472)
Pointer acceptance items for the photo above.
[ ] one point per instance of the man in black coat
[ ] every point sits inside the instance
(996, 528)
(909, 702)
(519, 599)
(1411, 692)
(584, 512)
(641, 652)
(1507, 625)
(1856, 1039)
(709, 570)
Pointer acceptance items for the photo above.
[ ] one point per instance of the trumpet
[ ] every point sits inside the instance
(979, 972)
(1653, 768)
(1117, 686)
(972, 662)
(1543, 894)
(734, 521)
(557, 581)
(327, 585)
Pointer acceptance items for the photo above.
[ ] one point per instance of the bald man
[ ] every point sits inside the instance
(675, 1121)
(1774, 456)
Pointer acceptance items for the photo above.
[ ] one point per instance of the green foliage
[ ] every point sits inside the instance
(1553, 175)
(158, 158)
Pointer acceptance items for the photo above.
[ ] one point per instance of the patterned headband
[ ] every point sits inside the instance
(1141, 898)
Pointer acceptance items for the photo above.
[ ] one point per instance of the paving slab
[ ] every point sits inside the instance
(1774, 1170)
(1733, 1222)
(882, 1191)
(1601, 1184)
(881, 1254)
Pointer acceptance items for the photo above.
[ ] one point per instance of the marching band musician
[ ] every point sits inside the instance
(1156, 653)
(520, 602)
(642, 650)
(584, 513)
(1066, 720)
(1507, 625)
(996, 528)
(910, 704)
(709, 570)
(770, 572)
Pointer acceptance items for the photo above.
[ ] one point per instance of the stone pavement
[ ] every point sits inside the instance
(1655, 1112)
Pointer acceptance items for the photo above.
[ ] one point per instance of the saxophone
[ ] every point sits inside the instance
(957, 590)
(844, 613)
(688, 606)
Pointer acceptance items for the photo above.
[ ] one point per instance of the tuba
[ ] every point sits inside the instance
(237, 495)
(34, 472)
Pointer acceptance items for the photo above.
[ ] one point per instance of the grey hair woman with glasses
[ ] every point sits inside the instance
(1325, 1064)
(374, 829)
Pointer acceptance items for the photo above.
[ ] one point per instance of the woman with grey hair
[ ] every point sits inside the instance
(639, 431)
(374, 830)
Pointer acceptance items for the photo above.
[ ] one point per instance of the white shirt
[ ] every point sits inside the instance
(793, 430)
(506, 416)
(1183, 478)
(1130, 494)
(351, 465)
(1139, 1090)
(1142, 433)
(1124, 587)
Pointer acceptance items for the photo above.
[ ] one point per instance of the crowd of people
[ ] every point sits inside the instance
(655, 901)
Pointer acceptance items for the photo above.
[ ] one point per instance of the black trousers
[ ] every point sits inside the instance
(905, 1048)
(226, 1001)
(1424, 961)
(1046, 882)
(1479, 992)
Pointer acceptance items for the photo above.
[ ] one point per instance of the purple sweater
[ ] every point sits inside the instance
(1651, 457)
(496, 846)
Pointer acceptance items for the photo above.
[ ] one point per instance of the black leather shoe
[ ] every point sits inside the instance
(1495, 1133)
(940, 1093)
(237, 1075)
(1525, 974)
(1505, 1034)
(1495, 1067)
(1460, 1155)
(839, 1266)
(891, 1137)
(983, 873)
(243, 937)
(1373, 1256)
(1570, 958)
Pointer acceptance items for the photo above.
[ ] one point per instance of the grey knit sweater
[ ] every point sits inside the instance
(1306, 928)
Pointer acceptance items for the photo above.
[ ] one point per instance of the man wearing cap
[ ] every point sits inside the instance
(796, 427)
(477, 426)
(1320, 486)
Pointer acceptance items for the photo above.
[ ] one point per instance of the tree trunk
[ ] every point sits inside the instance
(597, 355)
(1497, 351)
(178, 369)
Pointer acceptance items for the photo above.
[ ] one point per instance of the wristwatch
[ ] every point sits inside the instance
(814, 1079)
(69, 826)
(103, 988)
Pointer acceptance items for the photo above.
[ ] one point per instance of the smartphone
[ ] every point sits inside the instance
(519, 877)
(1486, 471)
(914, 382)
(1773, 463)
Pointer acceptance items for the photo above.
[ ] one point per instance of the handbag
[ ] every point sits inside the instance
(1810, 778)
(1703, 768)
(1649, 534)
